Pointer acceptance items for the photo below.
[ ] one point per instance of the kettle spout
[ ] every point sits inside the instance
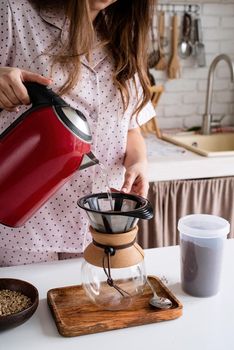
(88, 160)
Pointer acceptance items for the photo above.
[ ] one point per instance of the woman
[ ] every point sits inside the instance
(91, 52)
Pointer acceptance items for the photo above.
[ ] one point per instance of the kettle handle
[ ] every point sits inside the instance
(43, 95)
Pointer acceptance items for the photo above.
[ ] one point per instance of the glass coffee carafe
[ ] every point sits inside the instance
(113, 272)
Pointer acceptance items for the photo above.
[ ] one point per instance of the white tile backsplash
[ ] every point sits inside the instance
(183, 102)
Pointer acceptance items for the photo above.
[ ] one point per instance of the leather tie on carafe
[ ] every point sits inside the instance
(110, 251)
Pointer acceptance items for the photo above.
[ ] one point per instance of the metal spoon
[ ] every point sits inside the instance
(158, 302)
(185, 47)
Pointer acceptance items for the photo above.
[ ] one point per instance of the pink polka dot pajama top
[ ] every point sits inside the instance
(60, 226)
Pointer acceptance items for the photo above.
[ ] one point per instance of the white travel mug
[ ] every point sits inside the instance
(202, 240)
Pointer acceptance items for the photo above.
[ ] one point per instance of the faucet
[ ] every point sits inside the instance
(207, 116)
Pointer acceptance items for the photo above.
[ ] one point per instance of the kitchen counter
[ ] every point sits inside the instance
(206, 323)
(170, 162)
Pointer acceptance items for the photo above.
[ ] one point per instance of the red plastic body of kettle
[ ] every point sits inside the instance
(39, 152)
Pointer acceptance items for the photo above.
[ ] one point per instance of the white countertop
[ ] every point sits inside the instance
(170, 162)
(206, 323)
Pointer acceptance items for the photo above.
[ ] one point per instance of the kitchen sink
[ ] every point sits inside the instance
(213, 145)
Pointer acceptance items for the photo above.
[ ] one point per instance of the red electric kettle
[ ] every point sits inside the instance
(39, 152)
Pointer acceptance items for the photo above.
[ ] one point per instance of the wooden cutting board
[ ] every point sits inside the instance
(75, 315)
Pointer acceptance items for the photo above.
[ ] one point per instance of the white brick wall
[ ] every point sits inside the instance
(183, 101)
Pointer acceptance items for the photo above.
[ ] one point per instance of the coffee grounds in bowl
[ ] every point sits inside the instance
(12, 302)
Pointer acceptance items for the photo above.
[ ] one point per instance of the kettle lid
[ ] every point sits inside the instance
(75, 121)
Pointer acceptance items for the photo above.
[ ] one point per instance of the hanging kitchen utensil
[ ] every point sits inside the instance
(162, 63)
(193, 37)
(199, 46)
(174, 63)
(154, 55)
(185, 48)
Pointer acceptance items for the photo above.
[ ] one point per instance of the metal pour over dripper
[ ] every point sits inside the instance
(128, 209)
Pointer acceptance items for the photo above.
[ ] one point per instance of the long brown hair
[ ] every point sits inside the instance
(123, 27)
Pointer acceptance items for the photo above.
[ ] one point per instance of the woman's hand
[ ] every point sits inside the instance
(136, 175)
(12, 90)
(136, 180)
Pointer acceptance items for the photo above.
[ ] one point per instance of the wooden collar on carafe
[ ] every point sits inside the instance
(121, 247)
(117, 240)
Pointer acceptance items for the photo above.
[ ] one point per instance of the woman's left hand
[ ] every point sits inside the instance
(136, 180)
(136, 165)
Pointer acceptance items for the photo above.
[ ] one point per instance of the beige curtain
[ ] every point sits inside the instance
(174, 199)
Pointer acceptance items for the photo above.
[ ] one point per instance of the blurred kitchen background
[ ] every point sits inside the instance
(183, 101)
(182, 181)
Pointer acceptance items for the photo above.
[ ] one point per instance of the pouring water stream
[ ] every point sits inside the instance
(108, 189)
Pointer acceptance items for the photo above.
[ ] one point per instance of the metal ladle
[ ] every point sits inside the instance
(156, 301)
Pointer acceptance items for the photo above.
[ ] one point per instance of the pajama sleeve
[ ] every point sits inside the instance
(7, 42)
(146, 113)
